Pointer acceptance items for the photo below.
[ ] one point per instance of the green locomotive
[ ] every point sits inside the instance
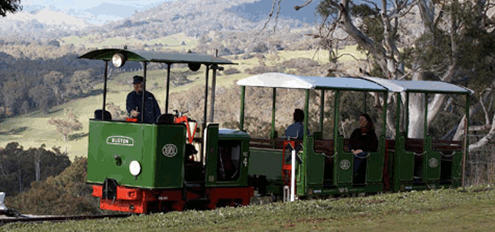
(148, 167)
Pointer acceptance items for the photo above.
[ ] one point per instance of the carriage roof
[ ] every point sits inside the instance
(419, 86)
(282, 80)
(158, 57)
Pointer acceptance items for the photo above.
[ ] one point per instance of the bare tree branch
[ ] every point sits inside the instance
(427, 12)
(486, 139)
(298, 7)
(270, 15)
(487, 117)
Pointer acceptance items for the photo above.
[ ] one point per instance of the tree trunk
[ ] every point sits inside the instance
(37, 166)
(416, 116)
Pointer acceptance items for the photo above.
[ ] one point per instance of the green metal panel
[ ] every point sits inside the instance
(265, 162)
(316, 165)
(403, 164)
(169, 170)
(111, 142)
(456, 171)
(211, 154)
(374, 164)
(233, 135)
(431, 163)
(343, 164)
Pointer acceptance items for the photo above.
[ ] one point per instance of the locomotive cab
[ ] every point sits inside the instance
(165, 165)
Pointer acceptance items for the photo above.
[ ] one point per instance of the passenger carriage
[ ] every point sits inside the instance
(400, 163)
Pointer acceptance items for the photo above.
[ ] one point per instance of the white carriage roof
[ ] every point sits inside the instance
(282, 80)
(419, 86)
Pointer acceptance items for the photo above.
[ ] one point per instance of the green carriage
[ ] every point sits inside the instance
(327, 164)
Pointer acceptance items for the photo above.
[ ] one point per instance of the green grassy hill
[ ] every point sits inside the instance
(32, 130)
(469, 209)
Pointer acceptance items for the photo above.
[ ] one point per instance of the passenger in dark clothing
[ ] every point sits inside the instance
(363, 141)
(134, 103)
(296, 129)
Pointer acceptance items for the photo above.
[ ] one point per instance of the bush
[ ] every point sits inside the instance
(264, 69)
(231, 71)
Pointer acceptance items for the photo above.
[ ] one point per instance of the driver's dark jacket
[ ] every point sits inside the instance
(152, 111)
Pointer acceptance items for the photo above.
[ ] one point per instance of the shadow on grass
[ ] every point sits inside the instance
(77, 136)
(14, 131)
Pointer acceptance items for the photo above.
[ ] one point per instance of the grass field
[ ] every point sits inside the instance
(471, 209)
(33, 130)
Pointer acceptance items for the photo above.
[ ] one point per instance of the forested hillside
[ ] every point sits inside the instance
(38, 84)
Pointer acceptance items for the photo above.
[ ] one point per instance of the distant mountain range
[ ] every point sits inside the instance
(198, 17)
(194, 17)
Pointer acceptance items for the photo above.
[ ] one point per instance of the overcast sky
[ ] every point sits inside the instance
(85, 4)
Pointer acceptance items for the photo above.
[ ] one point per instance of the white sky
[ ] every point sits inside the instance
(85, 4)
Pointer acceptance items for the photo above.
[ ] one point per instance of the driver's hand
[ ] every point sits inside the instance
(134, 113)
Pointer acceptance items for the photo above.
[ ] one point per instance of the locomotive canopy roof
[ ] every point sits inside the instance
(420, 86)
(282, 80)
(158, 57)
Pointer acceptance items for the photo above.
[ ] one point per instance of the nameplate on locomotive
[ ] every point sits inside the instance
(169, 150)
(120, 141)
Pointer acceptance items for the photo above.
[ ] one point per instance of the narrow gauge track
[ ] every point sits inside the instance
(4, 221)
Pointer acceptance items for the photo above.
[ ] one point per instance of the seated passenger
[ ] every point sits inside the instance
(134, 103)
(296, 129)
(363, 141)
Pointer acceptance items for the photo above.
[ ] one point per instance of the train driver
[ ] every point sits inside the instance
(134, 103)
(363, 141)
